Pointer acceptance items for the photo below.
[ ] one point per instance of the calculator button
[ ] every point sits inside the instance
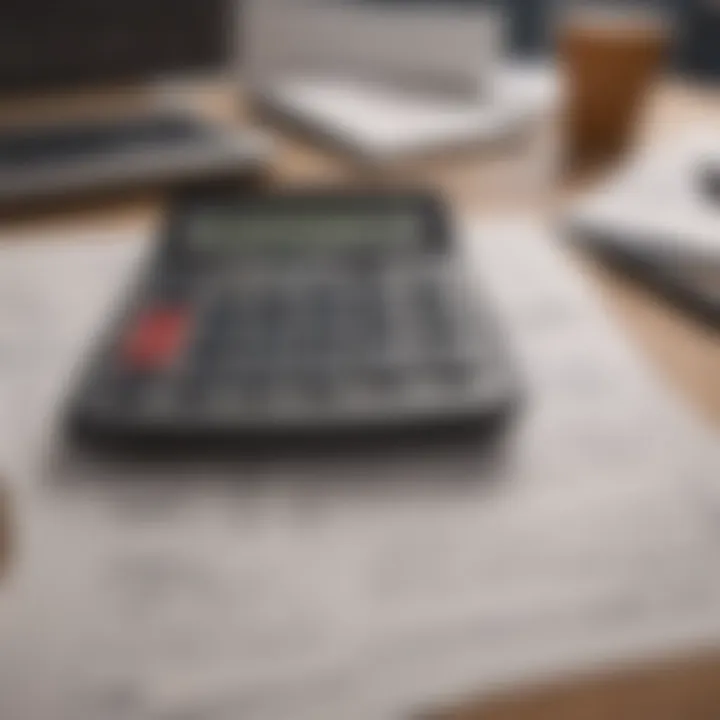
(436, 326)
(129, 389)
(156, 338)
(316, 386)
(318, 334)
(171, 288)
(254, 389)
(367, 320)
(384, 377)
(452, 372)
(193, 391)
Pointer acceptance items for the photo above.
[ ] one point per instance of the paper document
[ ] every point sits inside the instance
(365, 588)
(659, 201)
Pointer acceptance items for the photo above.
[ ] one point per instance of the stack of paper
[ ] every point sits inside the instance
(381, 122)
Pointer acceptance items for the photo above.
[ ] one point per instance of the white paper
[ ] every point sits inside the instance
(452, 50)
(658, 201)
(363, 588)
(383, 122)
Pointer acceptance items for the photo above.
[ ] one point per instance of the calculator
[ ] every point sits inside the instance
(298, 317)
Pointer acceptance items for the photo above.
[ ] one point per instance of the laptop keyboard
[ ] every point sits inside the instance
(58, 145)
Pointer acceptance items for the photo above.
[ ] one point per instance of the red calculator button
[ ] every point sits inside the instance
(156, 338)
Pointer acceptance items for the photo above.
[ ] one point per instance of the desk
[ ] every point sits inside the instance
(686, 353)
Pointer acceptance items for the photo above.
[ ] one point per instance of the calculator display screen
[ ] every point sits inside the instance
(221, 231)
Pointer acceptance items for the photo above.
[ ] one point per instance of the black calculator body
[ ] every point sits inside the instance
(269, 319)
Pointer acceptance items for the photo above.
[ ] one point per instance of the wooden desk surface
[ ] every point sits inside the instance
(686, 353)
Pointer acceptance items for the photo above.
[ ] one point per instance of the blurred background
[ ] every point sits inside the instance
(567, 571)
